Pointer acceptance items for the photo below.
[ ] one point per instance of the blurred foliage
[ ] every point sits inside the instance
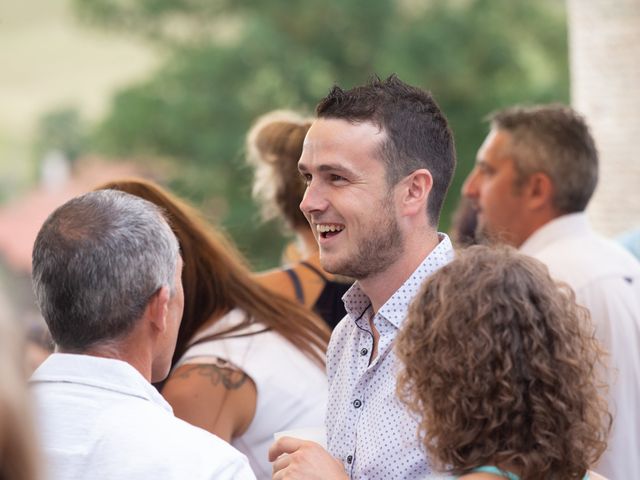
(63, 130)
(230, 61)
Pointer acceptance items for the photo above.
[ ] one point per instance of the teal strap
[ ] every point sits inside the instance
(497, 471)
(505, 474)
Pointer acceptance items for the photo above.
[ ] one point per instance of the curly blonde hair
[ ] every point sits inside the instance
(500, 364)
(274, 146)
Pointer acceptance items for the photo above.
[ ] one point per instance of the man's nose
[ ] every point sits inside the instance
(313, 200)
(470, 185)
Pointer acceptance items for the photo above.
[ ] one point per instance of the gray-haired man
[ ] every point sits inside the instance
(534, 176)
(107, 277)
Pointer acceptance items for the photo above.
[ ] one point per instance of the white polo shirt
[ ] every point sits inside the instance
(99, 418)
(606, 280)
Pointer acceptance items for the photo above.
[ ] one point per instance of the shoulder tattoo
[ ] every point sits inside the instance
(221, 372)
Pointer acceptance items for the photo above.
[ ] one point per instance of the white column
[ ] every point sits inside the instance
(604, 47)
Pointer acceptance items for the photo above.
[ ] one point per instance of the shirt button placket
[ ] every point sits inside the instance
(365, 342)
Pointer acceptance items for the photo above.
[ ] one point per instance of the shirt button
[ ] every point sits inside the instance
(357, 403)
(349, 459)
(364, 351)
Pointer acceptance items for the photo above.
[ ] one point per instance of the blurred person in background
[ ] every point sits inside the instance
(248, 363)
(274, 146)
(107, 279)
(39, 345)
(534, 176)
(464, 223)
(631, 241)
(500, 364)
(18, 446)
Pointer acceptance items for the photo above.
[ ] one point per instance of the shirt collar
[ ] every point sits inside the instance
(98, 372)
(570, 224)
(396, 307)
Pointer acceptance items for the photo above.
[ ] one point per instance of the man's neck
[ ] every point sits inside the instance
(381, 287)
(136, 357)
(532, 224)
(559, 227)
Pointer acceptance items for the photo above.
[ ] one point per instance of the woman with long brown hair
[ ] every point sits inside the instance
(248, 362)
(500, 364)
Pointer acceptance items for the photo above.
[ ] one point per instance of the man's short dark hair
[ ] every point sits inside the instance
(555, 140)
(97, 261)
(418, 135)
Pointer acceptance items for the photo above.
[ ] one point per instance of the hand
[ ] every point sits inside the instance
(295, 459)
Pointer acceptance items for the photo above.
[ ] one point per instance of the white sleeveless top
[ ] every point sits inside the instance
(291, 388)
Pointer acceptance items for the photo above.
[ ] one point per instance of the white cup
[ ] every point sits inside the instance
(314, 434)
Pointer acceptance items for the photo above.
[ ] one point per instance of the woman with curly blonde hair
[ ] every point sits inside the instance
(500, 364)
(274, 146)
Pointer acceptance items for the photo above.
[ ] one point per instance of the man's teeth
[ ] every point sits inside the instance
(329, 228)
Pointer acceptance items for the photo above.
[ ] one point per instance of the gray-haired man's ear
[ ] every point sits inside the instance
(539, 190)
(158, 308)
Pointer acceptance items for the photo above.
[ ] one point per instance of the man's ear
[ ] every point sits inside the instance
(540, 190)
(415, 192)
(158, 309)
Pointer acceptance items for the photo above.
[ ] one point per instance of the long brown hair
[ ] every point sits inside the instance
(216, 279)
(500, 364)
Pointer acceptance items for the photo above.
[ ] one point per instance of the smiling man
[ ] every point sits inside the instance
(534, 176)
(377, 162)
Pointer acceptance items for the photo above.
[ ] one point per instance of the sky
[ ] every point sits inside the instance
(49, 60)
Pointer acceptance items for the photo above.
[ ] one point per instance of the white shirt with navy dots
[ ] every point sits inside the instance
(374, 435)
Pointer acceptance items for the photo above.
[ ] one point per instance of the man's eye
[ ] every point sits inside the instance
(336, 178)
(306, 178)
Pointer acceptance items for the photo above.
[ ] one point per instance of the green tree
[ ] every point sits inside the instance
(230, 61)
